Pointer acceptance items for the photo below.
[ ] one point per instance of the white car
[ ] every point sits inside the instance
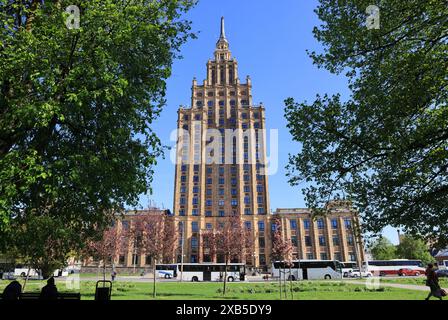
(357, 274)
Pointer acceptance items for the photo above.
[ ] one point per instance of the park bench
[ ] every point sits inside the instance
(61, 296)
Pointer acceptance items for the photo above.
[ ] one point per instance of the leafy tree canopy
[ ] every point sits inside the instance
(76, 111)
(412, 248)
(387, 144)
(383, 249)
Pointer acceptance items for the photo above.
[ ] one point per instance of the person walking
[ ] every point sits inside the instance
(432, 281)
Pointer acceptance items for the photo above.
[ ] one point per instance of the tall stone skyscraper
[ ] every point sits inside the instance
(221, 153)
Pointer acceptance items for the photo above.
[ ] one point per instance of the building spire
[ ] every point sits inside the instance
(223, 30)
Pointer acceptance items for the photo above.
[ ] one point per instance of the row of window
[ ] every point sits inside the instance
(320, 223)
(233, 169)
(221, 213)
(220, 93)
(322, 240)
(244, 115)
(221, 103)
(221, 191)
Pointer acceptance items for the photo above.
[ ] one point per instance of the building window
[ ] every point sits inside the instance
(221, 103)
(195, 212)
(323, 256)
(208, 202)
(308, 241)
(183, 168)
(194, 242)
(234, 202)
(306, 224)
(208, 226)
(221, 213)
(351, 256)
(261, 225)
(247, 211)
(262, 259)
(194, 258)
(246, 200)
(261, 211)
(221, 202)
(210, 103)
(221, 192)
(199, 103)
(246, 188)
(182, 201)
(294, 241)
(195, 189)
(209, 180)
(148, 260)
(350, 240)
(336, 240)
(208, 213)
(334, 223)
(259, 188)
(221, 180)
(121, 260)
(320, 223)
(293, 224)
(234, 192)
(322, 241)
(183, 178)
(209, 192)
(348, 223)
(261, 242)
(195, 200)
(248, 225)
(310, 256)
(182, 212)
(260, 200)
(338, 256)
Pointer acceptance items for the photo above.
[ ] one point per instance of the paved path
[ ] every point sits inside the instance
(397, 285)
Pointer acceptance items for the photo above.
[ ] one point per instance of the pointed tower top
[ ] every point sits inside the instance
(223, 30)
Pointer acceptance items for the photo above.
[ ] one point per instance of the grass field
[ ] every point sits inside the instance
(306, 290)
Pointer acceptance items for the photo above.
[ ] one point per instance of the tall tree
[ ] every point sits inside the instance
(413, 248)
(108, 247)
(232, 241)
(281, 251)
(387, 144)
(383, 249)
(76, 112)
(153, 235)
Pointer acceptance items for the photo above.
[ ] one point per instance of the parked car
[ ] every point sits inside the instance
(356, 273)
(404, 272)
(442, 273)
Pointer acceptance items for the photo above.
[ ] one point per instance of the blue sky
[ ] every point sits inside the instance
(269, 40)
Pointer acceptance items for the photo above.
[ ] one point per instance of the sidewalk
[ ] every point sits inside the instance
(396, 285)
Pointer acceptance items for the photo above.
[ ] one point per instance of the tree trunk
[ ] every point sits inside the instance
(104, 272)
(154, 279)
(290, 282)
(280, 281)
(26, 279)
(225, 278)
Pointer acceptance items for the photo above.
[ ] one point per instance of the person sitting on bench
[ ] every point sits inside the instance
(12, 291)
(49, 292)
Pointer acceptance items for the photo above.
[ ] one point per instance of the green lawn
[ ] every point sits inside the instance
(306, 290)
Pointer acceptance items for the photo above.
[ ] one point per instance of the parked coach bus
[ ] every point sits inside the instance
(202, 271)
(308, 269)
(392, 267)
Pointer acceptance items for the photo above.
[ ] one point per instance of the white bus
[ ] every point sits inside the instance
(308, 270)
(391, 267)
(202, 271)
